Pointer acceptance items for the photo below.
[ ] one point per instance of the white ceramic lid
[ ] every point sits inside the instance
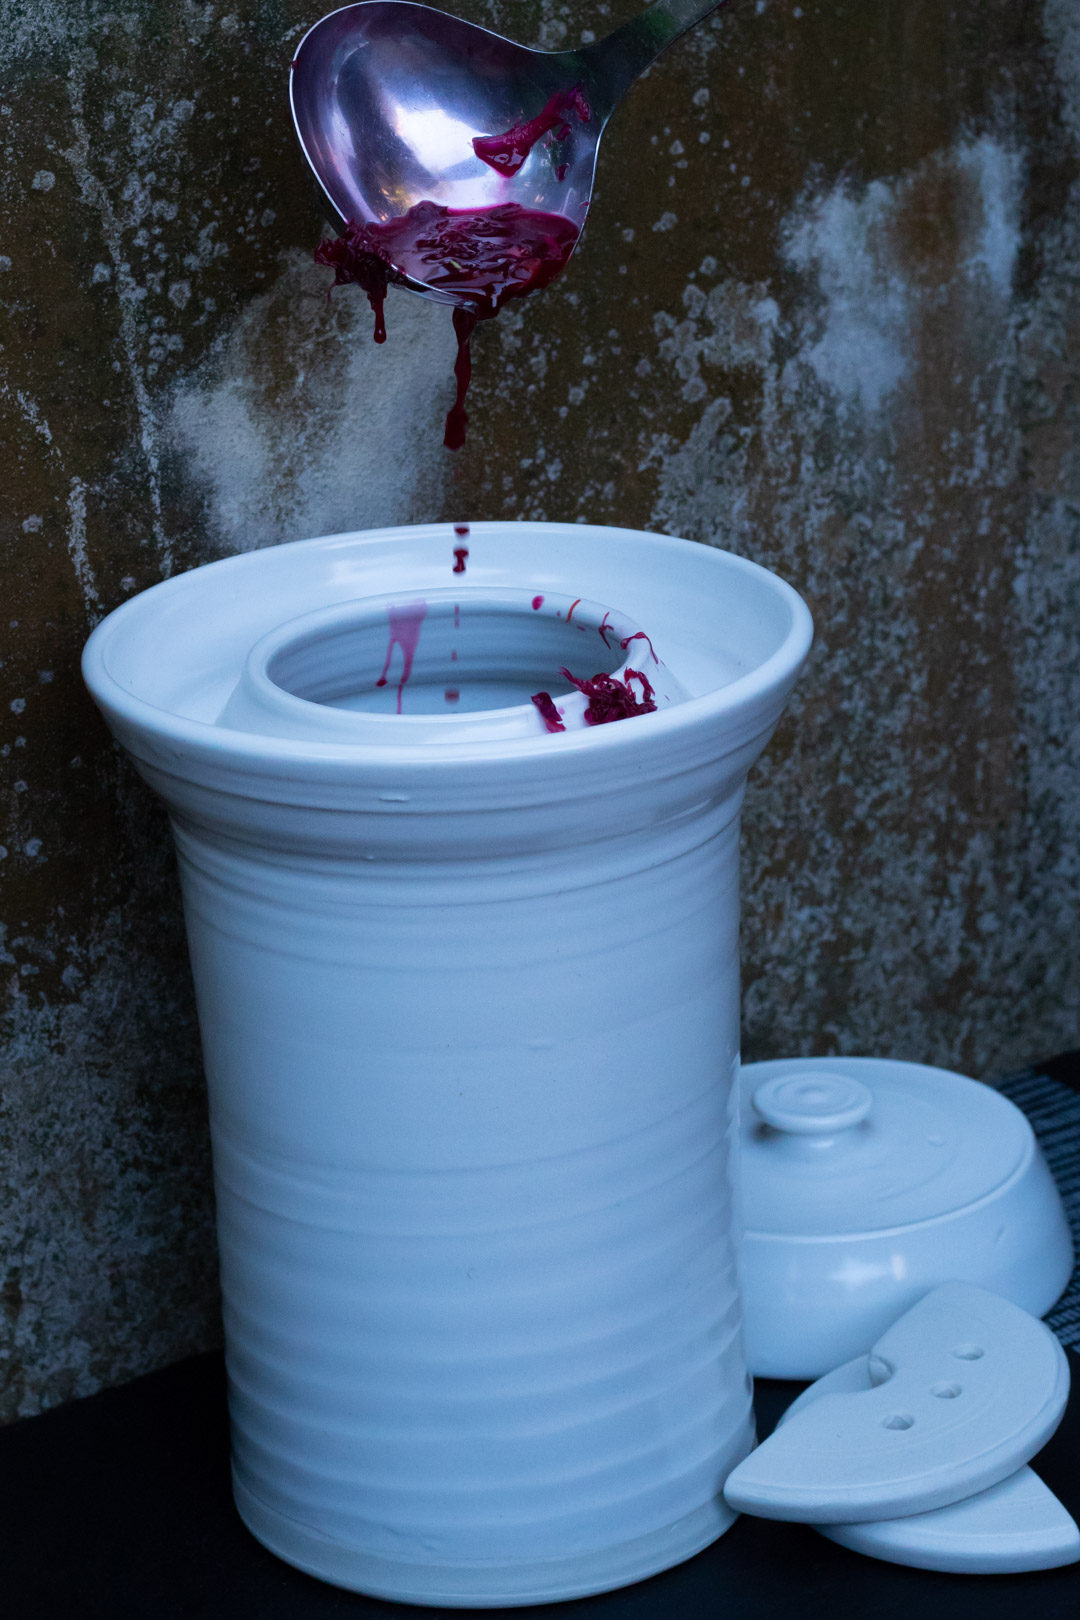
(866, 1182)
(849, 1145)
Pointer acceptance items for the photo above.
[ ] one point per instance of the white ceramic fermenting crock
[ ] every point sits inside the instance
(468, 994)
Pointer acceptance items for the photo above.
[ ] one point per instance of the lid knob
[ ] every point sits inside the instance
(814, 1103)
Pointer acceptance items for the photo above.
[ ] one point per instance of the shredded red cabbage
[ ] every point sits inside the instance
(548, 712)
(612, 699)
(507, 152)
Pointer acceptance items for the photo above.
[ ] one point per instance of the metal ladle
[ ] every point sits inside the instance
(388, 96)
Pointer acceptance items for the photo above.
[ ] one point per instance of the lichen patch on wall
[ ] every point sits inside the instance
(106, 1172)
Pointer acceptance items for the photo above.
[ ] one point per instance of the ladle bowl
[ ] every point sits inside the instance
(388, 96)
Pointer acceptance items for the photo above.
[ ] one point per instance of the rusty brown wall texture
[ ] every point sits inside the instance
(827, 314)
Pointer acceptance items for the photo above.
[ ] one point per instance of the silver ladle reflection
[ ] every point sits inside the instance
(388, 97)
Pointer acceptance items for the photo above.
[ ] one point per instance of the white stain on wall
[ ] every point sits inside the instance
(856, 427)
(76, 504)
(865, 302)
(995, 171)
(850, 245)
(76, 542)
(1061, 20)
(297, 424)
(849, 340)
(115, 222)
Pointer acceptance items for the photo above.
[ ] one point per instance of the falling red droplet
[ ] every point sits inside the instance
(481, 257)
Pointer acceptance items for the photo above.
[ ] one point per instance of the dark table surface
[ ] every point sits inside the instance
(119, 1508)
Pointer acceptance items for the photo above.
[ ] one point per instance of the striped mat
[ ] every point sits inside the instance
(1049, 1095)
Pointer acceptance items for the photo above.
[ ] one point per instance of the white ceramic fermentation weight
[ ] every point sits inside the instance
(1016, 1525)
(468, 994)
(963, 1390)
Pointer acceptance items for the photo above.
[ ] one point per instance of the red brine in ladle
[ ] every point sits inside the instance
(483, 257)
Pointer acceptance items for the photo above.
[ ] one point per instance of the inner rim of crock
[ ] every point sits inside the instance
(449, 652)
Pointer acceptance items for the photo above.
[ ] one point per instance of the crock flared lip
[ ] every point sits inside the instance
(207, 739)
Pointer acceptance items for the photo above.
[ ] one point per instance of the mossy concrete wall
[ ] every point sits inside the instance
(827, 314)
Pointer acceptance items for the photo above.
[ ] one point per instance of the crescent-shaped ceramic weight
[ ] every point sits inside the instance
(962, 1391)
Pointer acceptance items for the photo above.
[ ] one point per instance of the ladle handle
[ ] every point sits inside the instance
(616, 61)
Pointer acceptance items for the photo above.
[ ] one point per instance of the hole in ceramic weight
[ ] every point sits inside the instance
(450, 652)
(945, 1392)
(899, 1420)
(969, 1352)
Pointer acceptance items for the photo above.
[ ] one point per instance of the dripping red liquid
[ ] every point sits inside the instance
(481, 257)
(460, 554)
(507, 152)
(405, 625)
(457, 417)
(537, 602)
